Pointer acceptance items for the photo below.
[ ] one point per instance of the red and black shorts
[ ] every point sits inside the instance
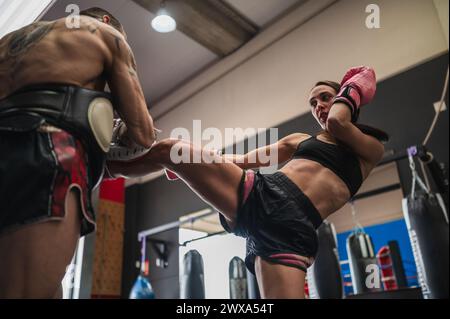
(38, 168)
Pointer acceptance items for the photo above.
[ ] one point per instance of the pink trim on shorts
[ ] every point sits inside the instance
(293, 260)
(248, 184)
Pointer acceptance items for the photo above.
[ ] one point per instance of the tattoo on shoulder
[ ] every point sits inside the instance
(117, 41)
(92, 28)
(22, 40)
(132, 72)
(132, 66)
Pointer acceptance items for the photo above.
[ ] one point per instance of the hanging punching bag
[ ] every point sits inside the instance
(324, 276)
(193, 278)
(142, 289)
(238, 279)
(252, 285)
(363, 263)
(387, 270)
(427, 223)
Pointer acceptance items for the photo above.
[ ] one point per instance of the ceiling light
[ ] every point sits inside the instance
(163, 22)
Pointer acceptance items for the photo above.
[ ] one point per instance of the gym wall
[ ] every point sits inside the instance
(271, 86)
(411, 68)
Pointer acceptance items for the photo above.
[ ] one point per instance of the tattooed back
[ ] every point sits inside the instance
(49, 52)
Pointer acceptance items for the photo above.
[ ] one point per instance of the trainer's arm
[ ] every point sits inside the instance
(126, 90)
(264, 156)
(340, 126)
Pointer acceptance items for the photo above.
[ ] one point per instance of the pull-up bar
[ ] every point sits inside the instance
(204, 237)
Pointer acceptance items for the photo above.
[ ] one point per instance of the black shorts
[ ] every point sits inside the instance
(278, 221)
(37, 170)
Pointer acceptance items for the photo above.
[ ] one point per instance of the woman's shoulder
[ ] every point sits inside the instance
(297, 138)
(294, 140)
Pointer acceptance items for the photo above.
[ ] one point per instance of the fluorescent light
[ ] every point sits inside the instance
(15, 14)
(164, 23)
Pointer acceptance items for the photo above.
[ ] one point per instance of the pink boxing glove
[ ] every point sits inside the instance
(357, 89)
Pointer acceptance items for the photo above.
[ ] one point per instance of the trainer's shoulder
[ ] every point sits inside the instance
(97, 27)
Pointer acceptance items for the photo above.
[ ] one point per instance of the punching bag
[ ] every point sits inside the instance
(193, 278)
(237, 279)
(363, 263)
(142, 289)
(252, 286)
(427, 223)
(387, 270)
(324, 276)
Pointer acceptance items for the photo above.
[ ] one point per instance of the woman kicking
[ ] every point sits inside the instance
(279, 213)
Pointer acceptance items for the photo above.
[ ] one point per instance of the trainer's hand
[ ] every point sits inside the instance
(123, 148)
(358, 88)
(120, 134)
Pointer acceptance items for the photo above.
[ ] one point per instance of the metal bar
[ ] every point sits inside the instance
(393, 158)
(143, 251)
(207, 236)
(421, 153)
(163, 228)
(377, 191)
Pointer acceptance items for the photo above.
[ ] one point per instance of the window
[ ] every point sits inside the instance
(15, 14)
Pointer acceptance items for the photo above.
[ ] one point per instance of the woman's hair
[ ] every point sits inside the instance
(380, 135)
(98, 13)
(336, 86)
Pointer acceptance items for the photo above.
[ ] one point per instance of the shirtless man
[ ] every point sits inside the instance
(56, 125)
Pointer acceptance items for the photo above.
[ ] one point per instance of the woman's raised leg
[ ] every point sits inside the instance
(216, 181)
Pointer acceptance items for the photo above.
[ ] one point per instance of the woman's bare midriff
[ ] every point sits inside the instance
(324, 188)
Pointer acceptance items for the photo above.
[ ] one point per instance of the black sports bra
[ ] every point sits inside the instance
(337, 158)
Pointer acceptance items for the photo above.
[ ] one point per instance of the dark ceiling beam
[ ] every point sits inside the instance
(212, 23)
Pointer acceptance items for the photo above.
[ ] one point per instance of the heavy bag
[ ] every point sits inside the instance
(252, 286)
(324, 276)
(427, 223)
(193, 277)
(142, 289)
(238, 279)
(387, 270)
(363, 263)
